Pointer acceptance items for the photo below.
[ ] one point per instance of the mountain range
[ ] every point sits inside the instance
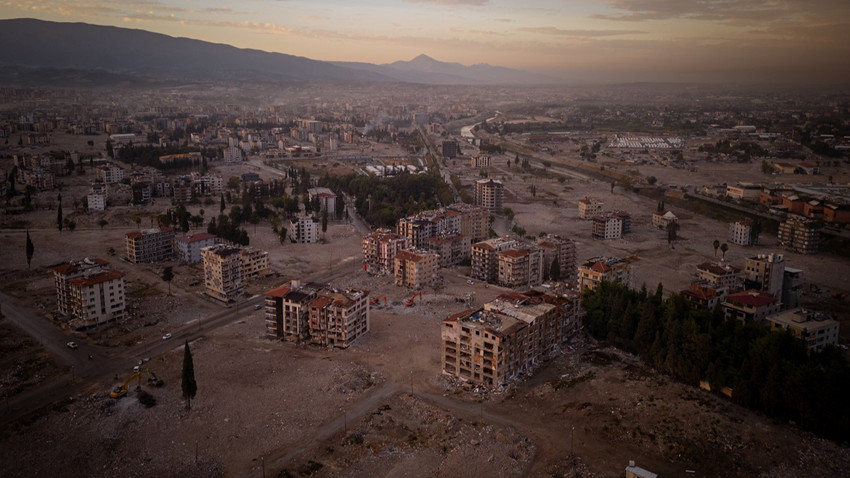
(37, 52)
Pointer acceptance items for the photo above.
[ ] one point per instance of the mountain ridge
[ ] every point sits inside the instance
(31, 44)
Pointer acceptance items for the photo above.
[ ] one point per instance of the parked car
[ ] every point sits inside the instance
(71, 345)
(166, 336)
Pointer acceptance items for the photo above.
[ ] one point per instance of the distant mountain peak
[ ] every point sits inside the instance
(422, 57)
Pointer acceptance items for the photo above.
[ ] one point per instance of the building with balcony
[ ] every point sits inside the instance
(593, 271)
(485, 258)
(799, 234)
(97, 298)
(720, 275)
(589, 207)
(561, 250)
(520, 267)
(380, 249)
(304, 230)
(63, 273)
(223, 279)
(307, 313)
(150, 245)
(451, 249)
(189, 247)
(512, 335)
(750, 305)
(415, 269)
(742, 233)
(490, 193)
(606, 227)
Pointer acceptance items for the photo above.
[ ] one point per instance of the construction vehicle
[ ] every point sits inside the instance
(153, 380)
(377, 300)
(121, 390)
(411, 301)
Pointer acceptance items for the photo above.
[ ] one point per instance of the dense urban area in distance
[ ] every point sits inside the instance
(424, 280)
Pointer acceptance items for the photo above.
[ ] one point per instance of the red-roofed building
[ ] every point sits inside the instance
(189, 247)
(415, 269)
(306, 313)
(65, 272)
(750, 305)
(152, 245)
(96, 298)
(598, 269)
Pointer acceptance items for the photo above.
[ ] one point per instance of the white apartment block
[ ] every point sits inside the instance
(741, 233)
(327, 199)
(96, 202)
(232, 154)
(189, 247)
(304, 230)
(815, 329)
(97, 298)
(110, 174)
(63, 273)
(607, 227)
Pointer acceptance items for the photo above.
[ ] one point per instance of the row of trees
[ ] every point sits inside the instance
(382, 201)
(769, 371)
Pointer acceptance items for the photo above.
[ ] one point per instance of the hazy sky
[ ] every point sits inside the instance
(606, 40)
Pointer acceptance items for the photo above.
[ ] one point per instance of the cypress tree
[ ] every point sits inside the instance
(30, 250)
(188, 385)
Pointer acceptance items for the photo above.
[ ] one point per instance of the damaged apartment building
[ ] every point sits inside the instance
(507, 337)
(310, 314)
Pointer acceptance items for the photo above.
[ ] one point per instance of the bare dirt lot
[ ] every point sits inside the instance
(381, 407)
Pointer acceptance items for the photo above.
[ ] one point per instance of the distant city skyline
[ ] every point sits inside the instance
(747, 41)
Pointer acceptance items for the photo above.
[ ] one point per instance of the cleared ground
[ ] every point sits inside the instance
(381, 407)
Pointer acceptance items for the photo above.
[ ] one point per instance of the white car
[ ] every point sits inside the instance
(470, 282)
(166, 336)
(71, 345)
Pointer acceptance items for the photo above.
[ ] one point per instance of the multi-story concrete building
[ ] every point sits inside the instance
(255, 263)
(97, 197)
(490, 193)
(704, 295)
(451, 249)
(97, 298)
(661, 219)
(326, 197)
(817, 330)
(750, 305)
(471, 221)
(606, 227)
(720, 275)
(766, 272)
(792, 286)
(485, 258)
(150, 245)
(380, 249)
(223, 278)
(189, 247)
(593, 271)
(741, 233)
(511, 335)
(562, 250)
(63, 273)
(304, 230)
(307, 313)
(520, 268)
(480, 161)
(799, 234)
(450, 149)
(338, 318)
(589, 207)
(474, 220)
(110, 174)
(415, 269)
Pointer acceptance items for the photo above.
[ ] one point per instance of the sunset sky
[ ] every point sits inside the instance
(785, 41)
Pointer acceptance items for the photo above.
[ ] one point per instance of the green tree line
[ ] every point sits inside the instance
(768, 371)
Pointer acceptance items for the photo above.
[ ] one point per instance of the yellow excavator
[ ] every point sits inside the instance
(121, 390)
